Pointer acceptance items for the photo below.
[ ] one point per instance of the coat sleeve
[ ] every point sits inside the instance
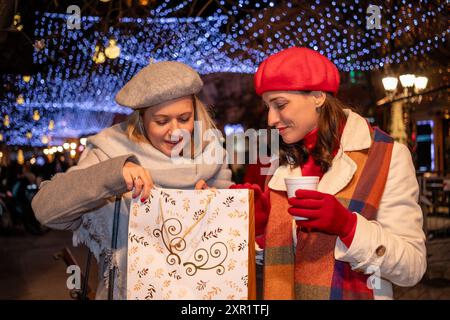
(393, 245)
(62, 201)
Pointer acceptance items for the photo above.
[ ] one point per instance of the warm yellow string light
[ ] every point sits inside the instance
(20, 100)
(36, 115)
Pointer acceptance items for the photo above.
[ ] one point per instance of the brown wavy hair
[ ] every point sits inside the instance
(331, 121)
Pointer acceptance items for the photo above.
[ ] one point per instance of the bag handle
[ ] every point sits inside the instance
(112, 271)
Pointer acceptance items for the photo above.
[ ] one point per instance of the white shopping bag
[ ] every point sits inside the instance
(191, 244)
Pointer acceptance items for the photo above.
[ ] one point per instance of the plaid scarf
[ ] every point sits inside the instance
(311, 272)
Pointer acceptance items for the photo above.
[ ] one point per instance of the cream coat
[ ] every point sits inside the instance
(392, 247)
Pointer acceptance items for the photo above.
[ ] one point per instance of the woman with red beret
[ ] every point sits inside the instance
(362, 228)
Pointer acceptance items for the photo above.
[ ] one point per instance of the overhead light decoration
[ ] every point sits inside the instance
(6, 122)
(20, 99)
(36, 115)
(29, 135)
(99, 55)
(51, 125)
(44, 139)
(82, 89)
(112, 51)
(26, 78)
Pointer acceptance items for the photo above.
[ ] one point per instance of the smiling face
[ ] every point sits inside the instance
(293, 113)
(162, 121)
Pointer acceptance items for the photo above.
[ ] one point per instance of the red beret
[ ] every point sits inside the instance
(297, 69)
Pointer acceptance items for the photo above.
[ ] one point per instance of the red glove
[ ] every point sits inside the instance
(262, 209)
(324, 212)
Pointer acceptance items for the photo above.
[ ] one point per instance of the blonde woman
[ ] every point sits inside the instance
(129, 159)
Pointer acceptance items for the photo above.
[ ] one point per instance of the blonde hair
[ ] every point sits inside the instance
(135, 124)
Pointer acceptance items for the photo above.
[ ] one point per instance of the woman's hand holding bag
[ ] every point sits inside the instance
(137, 178)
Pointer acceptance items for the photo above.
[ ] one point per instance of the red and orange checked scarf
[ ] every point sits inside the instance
(312, 272)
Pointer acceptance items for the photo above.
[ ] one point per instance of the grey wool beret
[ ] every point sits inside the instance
(157, 83)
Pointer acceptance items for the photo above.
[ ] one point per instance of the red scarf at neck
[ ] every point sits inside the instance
(310, 168)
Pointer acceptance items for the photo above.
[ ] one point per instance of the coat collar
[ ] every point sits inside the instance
(356, 136)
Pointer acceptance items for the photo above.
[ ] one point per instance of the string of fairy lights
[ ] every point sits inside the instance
(74, 95)
(77, 83)
(344, 40)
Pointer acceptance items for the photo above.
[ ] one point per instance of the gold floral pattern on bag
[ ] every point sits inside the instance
(189, 244)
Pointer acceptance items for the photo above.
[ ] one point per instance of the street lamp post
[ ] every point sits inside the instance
(411, 84)
(407, 82)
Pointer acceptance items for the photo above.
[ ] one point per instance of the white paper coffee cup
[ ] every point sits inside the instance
(305, 183)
